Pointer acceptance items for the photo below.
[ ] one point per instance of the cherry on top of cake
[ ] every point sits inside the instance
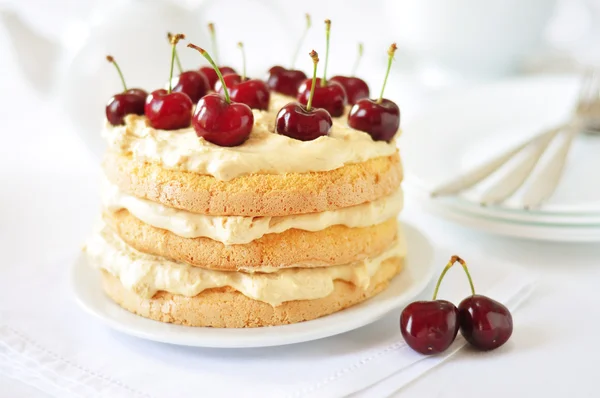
(328, 95)
(208, 71)
(378, 117)
(355, 87)
(217, 118)
(286, 81)
(168, 109)
(128, 102)
(304, 123)
(253, 92)
(192, 82)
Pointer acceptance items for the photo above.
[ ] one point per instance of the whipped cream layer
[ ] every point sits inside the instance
(263, 152)
(145, 274)
(240, 230)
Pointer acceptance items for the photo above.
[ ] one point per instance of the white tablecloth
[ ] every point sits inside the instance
(552, 352)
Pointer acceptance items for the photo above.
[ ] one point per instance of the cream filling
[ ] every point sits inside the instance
(145, 274)
(264, 151)
(240, 230)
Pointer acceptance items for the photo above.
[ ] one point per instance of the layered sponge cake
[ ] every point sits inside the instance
(270, 232)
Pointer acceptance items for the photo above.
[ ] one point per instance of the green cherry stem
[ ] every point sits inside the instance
(241, 47)
(453, 260)
(315, 57)
(327, 31)
(174, 40)
(213, 41)
(358, 58)
(302, 38)
(214, 65)
(111, 59)
(391, 52)
(170, 37)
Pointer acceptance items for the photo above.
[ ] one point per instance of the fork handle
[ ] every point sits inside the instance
(546, 181)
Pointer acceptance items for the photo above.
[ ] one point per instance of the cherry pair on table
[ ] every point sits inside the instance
(430, 327)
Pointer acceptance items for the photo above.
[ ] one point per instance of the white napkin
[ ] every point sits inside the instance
(48, 342)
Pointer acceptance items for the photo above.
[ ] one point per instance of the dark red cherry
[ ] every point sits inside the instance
(192, 83)
(485, 323)
(380, 119)
(285, 81)
(127, 103)
(295, 121)
(211, 75)
(222, 123)
(356, 88)
(331, 97)
(429, 327)
(252, 92)
(168, 111)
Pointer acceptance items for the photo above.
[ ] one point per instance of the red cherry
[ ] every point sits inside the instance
(328, 95)
(304, 123)
(331, 97)
(355, 88)
(168, 111)
(127, 103)
(211, 75)
(222, 123)
(295, 121)
(485, 323)
(130, 101)
(219, 120)
(429, 327)
(192, 83)
(285, 81)
(380, 119)
(252, 92)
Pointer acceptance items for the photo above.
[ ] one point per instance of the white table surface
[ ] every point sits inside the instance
(551, 354)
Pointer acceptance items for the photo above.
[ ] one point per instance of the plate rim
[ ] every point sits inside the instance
(278, 335)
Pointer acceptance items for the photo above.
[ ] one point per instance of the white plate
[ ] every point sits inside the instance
(463, 129)
(582, 234)
(410, 282)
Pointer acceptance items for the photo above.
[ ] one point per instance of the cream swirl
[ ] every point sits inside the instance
(263, 152)
(145, 274)
(241, 230)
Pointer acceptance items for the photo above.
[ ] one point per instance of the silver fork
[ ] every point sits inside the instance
(585, 117)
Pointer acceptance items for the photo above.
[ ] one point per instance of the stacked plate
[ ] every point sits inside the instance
(463, 129)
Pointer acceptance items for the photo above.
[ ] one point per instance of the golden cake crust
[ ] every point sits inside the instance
(257, 194)
(293, 248)
(227, 308)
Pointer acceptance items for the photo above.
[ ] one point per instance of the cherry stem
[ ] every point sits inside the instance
(174, 40)
(213, 41)
(358, 58)
(110, 59)
(241, 47)
(391, 52)
(453, 260)
(302, 38)
(215, 67)
(315, 57)
(170, 37)
(327, 30)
